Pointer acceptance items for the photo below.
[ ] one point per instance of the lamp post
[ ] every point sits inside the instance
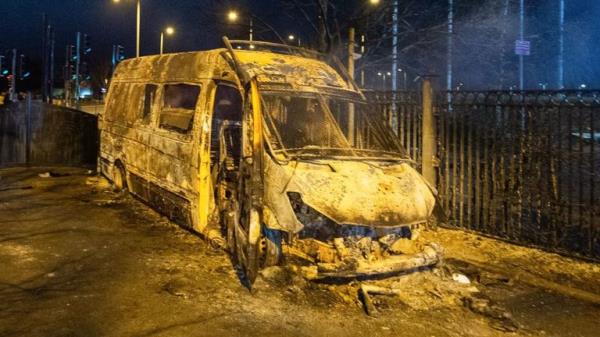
(233, 16)
(405, 80)
(137, 25)
(292, 38)
(168, 31)
(395, 40)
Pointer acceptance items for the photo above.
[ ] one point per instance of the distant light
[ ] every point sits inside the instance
(291, 37)
(5, 72)
(239, 47)
(85, 92)
(232, 16)
(583, 86)
(379, 73)
(375, 2)
(170, 30)
(400, 70)
(251, 46)
(389, 74)
(116, 1)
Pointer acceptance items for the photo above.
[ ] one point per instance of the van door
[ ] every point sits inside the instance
(219, 158)
(171, 147)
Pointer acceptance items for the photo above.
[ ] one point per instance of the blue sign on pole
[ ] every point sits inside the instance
(523, 47)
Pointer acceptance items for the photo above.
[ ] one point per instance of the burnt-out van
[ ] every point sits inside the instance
(270, 150)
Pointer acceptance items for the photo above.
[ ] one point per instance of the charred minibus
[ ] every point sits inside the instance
(270, 150)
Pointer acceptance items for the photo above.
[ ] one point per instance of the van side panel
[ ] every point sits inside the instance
(168, 169)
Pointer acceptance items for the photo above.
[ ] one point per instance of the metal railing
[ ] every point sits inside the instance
(523, 166)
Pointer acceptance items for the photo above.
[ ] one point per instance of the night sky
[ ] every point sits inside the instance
(200, 24)
(197, 23)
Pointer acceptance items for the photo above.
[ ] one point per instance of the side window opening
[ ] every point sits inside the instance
(226, 123)
(179, 105)
(117, 110)
(149, 95)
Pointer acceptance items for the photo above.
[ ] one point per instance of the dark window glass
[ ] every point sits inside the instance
(181, 96)
(178, 107)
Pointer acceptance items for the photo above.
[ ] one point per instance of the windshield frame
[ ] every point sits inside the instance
(272, 131)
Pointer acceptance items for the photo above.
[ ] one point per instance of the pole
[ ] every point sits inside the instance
(521, 37)
(51, 75)
(67, 76)
(561, 53)
(13, 80)
(429, 145)
(114, 58)
(138, 25)
(162, 42)
(351, 37)
(394, 66)
(449, 59)
(45, 58)
(77, 64)
(362, 53)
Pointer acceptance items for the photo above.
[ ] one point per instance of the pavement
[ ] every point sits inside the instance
(77, 259)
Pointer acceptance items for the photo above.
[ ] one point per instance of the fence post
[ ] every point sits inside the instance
(429, 145)
(28, 128)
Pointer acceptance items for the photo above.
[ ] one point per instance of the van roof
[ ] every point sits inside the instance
(273, 70)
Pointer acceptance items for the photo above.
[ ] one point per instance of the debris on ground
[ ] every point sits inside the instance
(460, 278)
(365, 296)
(50, 174)
(501, 319)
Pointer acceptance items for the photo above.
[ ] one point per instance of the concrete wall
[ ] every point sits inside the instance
(35, 133)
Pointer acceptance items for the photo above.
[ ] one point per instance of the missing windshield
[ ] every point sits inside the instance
(304, 125)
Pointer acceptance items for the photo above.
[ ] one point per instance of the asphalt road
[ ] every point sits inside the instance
(77, 259)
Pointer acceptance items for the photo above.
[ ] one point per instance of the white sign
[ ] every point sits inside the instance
(523, 47)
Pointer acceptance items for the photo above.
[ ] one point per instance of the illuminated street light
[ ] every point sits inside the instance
(138, 25)
(374, 2)
(232, 16)
(169, 31)
(291, 37)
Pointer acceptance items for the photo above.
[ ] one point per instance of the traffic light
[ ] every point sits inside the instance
(23, 72)
(120, 53)
(85, 71)
(87, 47)
(69, 72)
(3, 71)
(72, 53)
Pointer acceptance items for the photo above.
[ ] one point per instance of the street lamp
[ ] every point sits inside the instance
(374, 2)
(233, 16)
(138, 25)
(169, 31)
(405, 74)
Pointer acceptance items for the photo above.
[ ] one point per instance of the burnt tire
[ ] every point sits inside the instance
(119, 180)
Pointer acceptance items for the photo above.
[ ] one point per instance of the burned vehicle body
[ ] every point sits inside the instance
(289, 161)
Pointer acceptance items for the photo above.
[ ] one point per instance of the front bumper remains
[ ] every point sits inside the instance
(430, 256)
